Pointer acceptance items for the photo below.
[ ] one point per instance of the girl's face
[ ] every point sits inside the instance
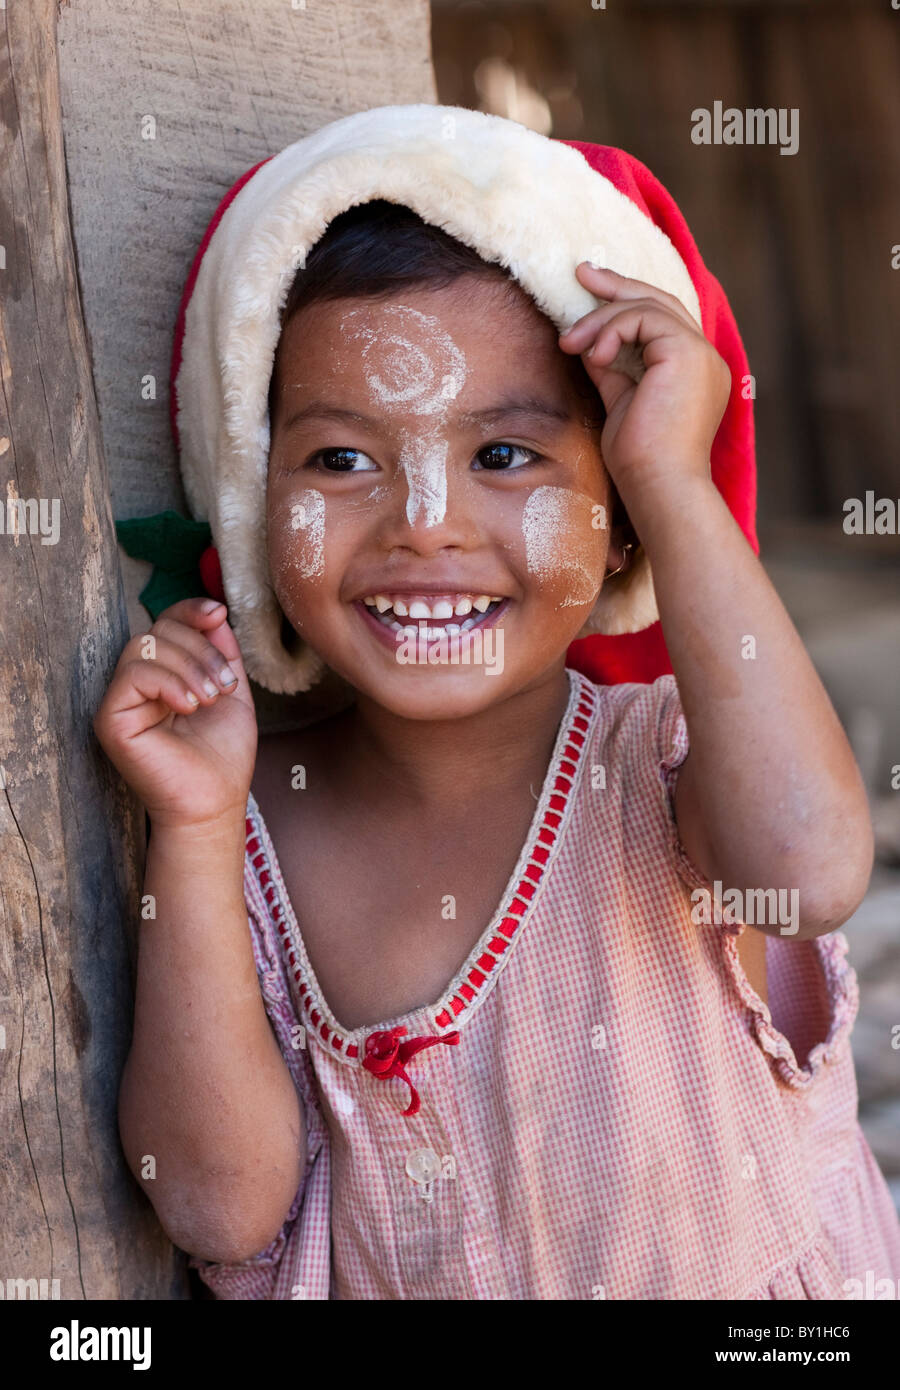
(435, 449)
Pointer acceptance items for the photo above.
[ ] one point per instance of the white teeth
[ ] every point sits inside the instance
(439, 608)
(432, 634)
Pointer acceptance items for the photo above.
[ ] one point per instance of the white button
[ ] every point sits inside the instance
(344, 1104)
(423, 1165)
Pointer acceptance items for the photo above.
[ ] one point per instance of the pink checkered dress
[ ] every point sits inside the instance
(606, 1108)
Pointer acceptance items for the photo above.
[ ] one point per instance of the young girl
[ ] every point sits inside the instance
(542, 995)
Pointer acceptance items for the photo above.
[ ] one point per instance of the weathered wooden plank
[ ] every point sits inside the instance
(68, 832)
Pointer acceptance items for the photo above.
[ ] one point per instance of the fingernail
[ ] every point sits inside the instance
(210, 605)
(192, 698)
(209, 688)
(227, 676)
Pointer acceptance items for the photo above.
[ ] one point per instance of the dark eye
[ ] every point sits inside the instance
(496, 457)
(341, 460)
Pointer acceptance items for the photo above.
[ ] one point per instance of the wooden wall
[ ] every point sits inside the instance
(802, 243)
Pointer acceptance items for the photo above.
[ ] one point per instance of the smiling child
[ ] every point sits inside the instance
(490, 1034)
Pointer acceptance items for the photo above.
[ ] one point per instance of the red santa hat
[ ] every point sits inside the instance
(532, 204)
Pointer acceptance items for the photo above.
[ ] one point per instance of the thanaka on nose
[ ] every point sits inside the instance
(423, 459)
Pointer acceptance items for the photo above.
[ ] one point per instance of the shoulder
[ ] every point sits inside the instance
(638, 736)
(633, 711)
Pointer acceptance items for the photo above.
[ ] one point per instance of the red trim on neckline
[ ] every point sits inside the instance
(479, 966)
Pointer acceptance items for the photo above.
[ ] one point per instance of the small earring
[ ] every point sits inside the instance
(626, 549)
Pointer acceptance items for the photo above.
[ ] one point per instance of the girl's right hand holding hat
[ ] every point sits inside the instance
(178, 719)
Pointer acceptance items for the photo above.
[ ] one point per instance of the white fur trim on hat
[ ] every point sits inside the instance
(529, 203)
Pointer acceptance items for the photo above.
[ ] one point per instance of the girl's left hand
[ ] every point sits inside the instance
(664, 425)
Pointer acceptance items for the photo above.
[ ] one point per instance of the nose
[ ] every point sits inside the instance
(430, 506)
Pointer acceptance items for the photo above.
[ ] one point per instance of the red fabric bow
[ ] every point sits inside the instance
(385, 1056)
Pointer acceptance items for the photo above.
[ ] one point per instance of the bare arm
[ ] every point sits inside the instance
(770, 795)
(206, 1091)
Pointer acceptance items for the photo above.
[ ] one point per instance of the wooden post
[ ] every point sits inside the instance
(71, 835)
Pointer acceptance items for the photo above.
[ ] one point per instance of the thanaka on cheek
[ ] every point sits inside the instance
(562, 542)
(304, 543)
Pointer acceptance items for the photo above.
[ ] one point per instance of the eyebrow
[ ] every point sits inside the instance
(532, 407)
(522, 407)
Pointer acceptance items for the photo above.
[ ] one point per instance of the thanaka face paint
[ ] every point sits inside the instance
(511, 357)
(423, 459)
(306, 519)
(561, 541)
(422, 369)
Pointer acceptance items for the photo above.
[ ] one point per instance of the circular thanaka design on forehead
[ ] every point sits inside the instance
(305, 518)
(413, 363)
(561, 541)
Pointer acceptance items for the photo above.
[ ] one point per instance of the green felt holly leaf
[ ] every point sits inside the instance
(173, 544)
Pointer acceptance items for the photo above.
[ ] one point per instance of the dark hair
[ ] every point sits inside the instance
(375, 249)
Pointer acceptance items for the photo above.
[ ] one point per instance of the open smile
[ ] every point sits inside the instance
(391, 629)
